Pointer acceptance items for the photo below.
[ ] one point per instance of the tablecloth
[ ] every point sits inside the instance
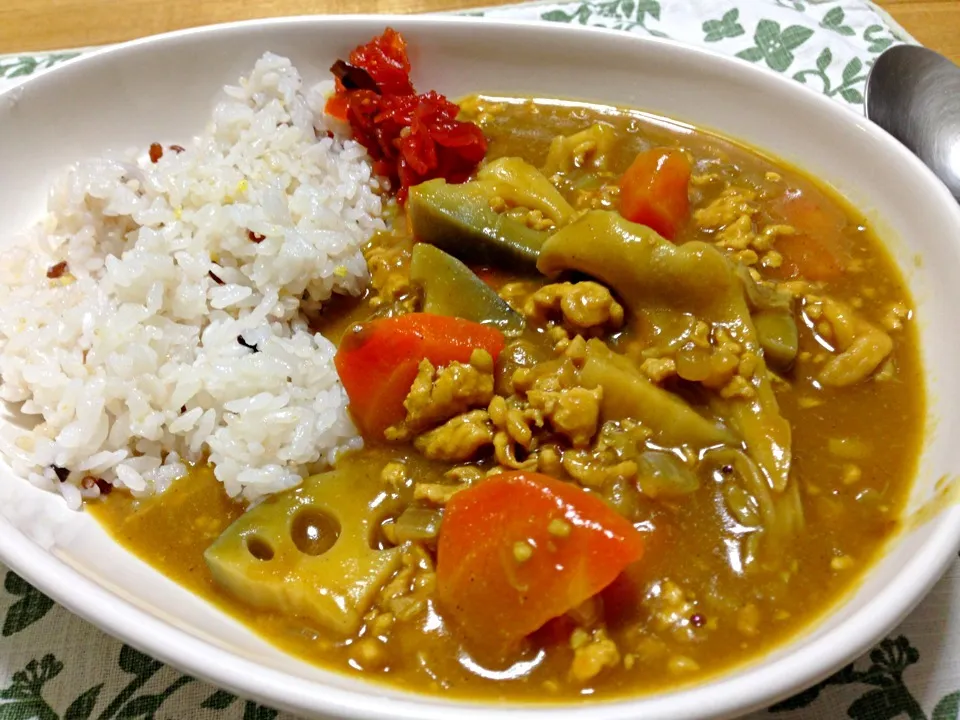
(54, 666)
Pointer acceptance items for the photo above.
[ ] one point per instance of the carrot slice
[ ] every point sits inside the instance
(817, 251)
(377, 361)
(654, 191)
(522, 548)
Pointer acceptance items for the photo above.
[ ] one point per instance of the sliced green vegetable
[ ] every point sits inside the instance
(451, 288)
(417, 524)
(521, 184)
(777, 335)
(459, 220)
(763, 295)
(778, 516)
(587, 148)
(663, 474)
(628, 393)
(308, 551)
(650, 273)
(666, 331)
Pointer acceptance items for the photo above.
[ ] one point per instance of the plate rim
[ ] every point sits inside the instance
(765, 683)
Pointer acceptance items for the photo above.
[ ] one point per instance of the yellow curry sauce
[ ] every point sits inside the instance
(692, 607)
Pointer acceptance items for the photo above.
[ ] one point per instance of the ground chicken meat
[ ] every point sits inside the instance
(713, 367)
(533, 219)
(738, 387)
(506, 454)
(603, 198)
(671, 610)
(435, 493)
(726, 209)
(458, 439)
(592, 653)
(406, 595)
(574, 412)
(738, 235)
(613, 457)
(369, 653)
(659, 369)
(550, 460)
(593, 470)
(552, 392)
(438, 395)
(465, 474)
(622, 439)
(583, 305)
(546, 377)
(766, 239)
(514, 420)
(388, 277)
(896, 314)
(515, 417)
(394, 475)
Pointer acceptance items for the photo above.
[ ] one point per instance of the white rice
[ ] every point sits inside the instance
(132, 360)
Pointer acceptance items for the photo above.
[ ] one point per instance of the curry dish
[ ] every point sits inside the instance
(638, 404)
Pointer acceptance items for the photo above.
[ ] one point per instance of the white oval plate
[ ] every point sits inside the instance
(163, 88)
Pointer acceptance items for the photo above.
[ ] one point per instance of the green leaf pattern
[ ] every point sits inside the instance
(82, 707)
(725, 27)
(628, 15)
(17, 66)
(775, 46)
(828, 45)
(948, 708)
(786, 36)
(129, 685)
(890, 696)
(833, 20)
(30, 608)
(852, 78)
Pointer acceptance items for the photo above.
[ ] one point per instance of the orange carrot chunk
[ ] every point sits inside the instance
(377, 361)
(817, 251)
(522, 548)
(654, 191)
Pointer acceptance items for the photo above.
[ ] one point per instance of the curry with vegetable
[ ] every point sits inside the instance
(637, 403)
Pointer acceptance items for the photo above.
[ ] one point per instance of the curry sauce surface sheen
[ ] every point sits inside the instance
(855, 450)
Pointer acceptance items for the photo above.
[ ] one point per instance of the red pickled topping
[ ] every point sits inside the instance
(411, 138)
(385, 60)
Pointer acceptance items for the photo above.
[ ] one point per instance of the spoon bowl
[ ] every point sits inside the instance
(914, 94)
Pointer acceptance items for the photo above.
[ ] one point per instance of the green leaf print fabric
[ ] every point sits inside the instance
(54, 666)
(829, 46)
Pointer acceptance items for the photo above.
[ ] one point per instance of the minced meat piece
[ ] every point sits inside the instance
(574, 412)
(458, 439)
(583, 305)
(592, 653)
(438, 395)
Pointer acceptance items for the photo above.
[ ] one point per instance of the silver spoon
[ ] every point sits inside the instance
(914, 94)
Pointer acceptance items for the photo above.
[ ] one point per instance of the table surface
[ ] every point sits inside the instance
(60, 24)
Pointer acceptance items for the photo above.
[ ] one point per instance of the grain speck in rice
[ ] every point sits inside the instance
(124, 306)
